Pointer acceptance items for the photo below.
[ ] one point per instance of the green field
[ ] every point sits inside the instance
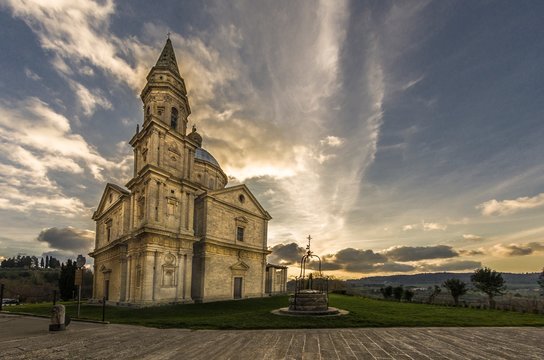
(255, 314)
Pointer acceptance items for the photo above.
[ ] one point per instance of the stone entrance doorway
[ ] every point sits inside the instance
(107, 289)
(237, 287)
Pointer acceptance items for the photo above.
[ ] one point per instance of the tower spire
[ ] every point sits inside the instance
(167, 60)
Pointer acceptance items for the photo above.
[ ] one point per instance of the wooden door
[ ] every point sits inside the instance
(107, 289)
(237, 287)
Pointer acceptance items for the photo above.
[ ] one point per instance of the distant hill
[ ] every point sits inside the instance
(430, 279)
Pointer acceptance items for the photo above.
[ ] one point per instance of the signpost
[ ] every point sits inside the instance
(80, 263)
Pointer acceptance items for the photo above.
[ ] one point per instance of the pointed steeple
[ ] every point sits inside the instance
(167, 60)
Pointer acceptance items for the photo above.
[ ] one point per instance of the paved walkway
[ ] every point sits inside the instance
(28, 338)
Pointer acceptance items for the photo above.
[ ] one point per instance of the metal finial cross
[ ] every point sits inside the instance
(168, 34)
(309, 240)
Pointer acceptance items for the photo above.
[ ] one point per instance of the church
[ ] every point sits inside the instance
(176, 233)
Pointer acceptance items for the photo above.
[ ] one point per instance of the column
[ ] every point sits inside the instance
(135, 161)
(186, 163)
(94, 281)
(157, 209)
(123, 279)
(153, 150)
(187, 275)
(147, 274)
(161, 149)
(190, 211)
(155, 276)
(182, 210)
(179, 275)
(129, 280)
(191, 161)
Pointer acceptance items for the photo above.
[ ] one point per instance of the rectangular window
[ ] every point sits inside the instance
(240, 233)
(108, 230)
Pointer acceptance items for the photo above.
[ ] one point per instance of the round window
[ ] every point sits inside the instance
(242, 198)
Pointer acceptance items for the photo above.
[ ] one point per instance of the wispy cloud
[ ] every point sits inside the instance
(78, 34)
(472, 237)
(32, 75)
(506, 207)
(411, 83)
(35, 141)
(425, 226)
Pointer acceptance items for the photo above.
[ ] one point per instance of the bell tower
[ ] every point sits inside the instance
(165, 95)
(163, 155)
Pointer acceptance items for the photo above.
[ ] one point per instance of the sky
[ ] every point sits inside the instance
(404, 136)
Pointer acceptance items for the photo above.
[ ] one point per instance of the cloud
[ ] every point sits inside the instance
(77, 33)
(425, 226)
(409, 253)
(402, 259)
(433, 226)
(450, 266)
(350, 256)
(229, 95)
(31, 74)
(518, 249)
(507, 207)
(333, 141)
(412, 83)
(69, 239)
(471, 252)
(394, 267)
(286, 254)
(89, 100)
(36, 140)
(472, 237)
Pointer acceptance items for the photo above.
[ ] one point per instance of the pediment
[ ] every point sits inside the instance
(112, 193)
(240, 266)
(240, 196)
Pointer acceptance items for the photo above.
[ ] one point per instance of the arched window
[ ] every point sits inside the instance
(174, 118)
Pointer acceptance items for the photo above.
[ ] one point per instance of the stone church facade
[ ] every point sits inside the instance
(176, 234)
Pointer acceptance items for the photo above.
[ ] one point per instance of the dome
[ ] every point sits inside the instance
(203, 155)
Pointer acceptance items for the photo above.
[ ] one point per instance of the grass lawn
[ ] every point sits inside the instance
(255, 314)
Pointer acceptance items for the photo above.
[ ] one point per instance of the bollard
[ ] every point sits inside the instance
(103, 309)
(58, 318)
(78, 301)
(1, 296)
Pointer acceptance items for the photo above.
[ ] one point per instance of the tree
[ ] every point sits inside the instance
(397, 292)
(408, 295)
(42, 263)
(54, 263)
(540, 281)
(434, 294)
(490, 282)
(457, 288)
(387, 292)
(66, 280)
